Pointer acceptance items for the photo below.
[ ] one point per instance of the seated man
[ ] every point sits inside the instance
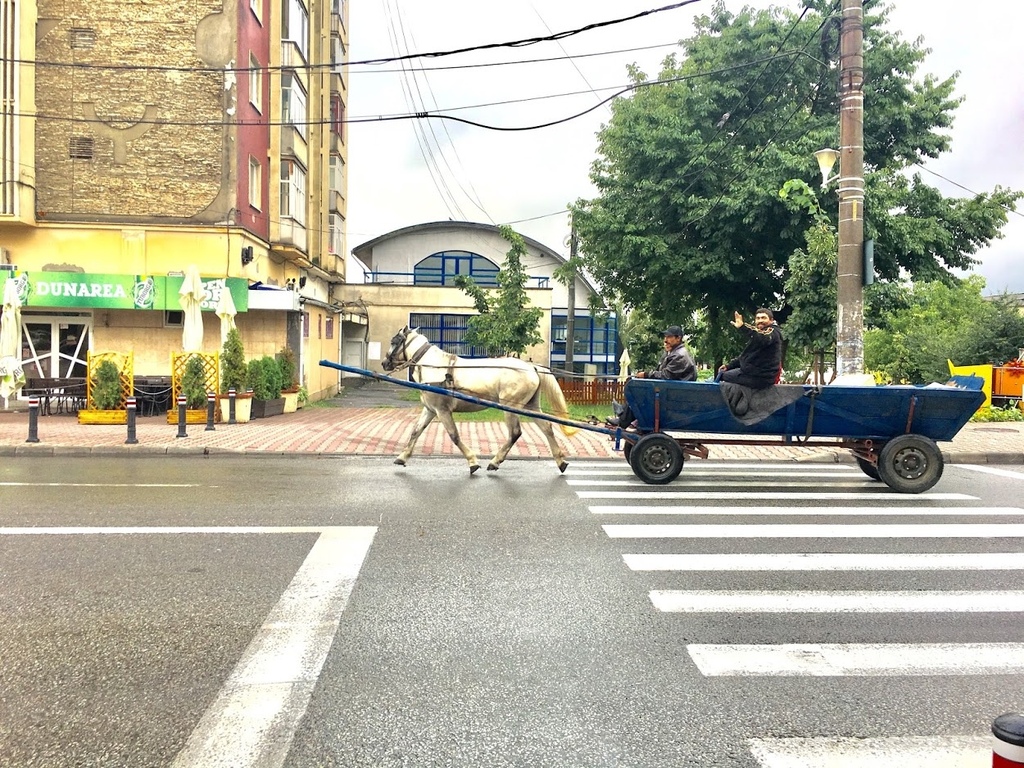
(676, 363)
(758, 364)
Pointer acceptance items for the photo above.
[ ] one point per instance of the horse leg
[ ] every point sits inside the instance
(515, 431)
(556, 450)
(426, 417)
(445, 417)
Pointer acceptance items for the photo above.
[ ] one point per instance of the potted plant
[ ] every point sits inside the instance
(106, 391)
(265, 380)
(233, 375)
(193, 385)
(289, 380)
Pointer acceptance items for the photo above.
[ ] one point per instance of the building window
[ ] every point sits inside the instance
(81, 38)
(295, 26)
(80, 147)
(305, 325)
(594, 342)
(447, 331)
(336, 175)
(337, 116)
(256, 6)
(255, 83)
(293, 102)
(293, 191)
(329, 328)
(255, 183)
(319, 326)
(334, 234)
(441, 269)
(174, 318)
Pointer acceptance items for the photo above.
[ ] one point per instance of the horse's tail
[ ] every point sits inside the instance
(553, 393)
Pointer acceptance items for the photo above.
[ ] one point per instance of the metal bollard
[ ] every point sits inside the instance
(181, 417)
(211, 406)
(132, 439)
(1008, 741)
(231, 406)
(33, 420)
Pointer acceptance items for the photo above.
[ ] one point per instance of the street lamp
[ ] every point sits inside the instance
(826, 159)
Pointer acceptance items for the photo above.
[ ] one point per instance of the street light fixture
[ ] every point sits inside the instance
(826, 160)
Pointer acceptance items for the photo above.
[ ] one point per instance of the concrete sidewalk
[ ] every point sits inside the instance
(375, 421)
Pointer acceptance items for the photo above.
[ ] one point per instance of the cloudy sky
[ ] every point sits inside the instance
(406, 172)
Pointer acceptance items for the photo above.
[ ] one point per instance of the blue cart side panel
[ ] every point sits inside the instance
(861, 413)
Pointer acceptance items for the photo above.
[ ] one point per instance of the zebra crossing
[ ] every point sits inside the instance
(698, 508)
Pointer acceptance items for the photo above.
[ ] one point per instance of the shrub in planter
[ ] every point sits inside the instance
(193, 384)
(232, 364)
(286, 364)
(264, 378)
(106, 387)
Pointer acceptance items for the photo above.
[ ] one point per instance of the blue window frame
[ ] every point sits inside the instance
(448, 331)
(442, 268)
(594, 342)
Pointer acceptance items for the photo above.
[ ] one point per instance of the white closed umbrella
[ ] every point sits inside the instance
(226, 312)
(12, 377)
(190, 296)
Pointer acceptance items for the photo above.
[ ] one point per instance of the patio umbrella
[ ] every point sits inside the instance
(12, 377)
(226, 312)
(190, 295)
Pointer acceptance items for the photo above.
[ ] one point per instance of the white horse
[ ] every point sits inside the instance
(506, 380)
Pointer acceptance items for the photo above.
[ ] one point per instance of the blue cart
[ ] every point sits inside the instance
(891, 430)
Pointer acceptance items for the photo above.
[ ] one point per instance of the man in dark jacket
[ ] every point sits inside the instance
(676, 364)
(760, 362)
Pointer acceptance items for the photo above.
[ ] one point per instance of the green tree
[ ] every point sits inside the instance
(507, 324)
(687, 216)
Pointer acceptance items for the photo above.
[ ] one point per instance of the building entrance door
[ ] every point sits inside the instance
(55, 346)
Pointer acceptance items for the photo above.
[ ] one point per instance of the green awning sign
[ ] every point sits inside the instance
(100, 291)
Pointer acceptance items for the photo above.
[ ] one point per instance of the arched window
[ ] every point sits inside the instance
(441, 269)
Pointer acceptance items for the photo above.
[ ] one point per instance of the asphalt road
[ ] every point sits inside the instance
(347, 612)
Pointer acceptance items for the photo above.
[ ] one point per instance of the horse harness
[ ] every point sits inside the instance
(449, 377)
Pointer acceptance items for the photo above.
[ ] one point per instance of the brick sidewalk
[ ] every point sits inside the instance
(383, 431)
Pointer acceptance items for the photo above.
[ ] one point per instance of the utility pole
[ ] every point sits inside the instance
(850, 328)
(570, 313)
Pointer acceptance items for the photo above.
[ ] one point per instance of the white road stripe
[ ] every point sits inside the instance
(821, 531)
(759, 601)
(954, 561)
(252, 721)
(690, 471)
(811, 511)
(720, 466)
(153, 529)
(104, 485)
(905, 752)
(717, 482)
(858, 660)
(991, 471)
(769, 495)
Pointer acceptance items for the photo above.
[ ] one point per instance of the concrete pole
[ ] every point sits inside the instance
(570, 312)
(850, 328)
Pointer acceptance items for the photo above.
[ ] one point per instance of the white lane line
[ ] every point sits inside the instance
(819, 531)
(811, 511)
(718, 466)
(954, 561)
(991, 471)
(858, 660)
(155, 529)
(105, 485)
(882, 493)
(716, 482)
(253, 719)
(844, 752)
(759, 601)
(689, 471)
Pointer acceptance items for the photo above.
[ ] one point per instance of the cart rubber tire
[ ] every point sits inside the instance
(627, 450)
(869, 469)
(656, 459)
(910, 464)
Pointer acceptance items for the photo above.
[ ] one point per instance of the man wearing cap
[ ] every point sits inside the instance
(676, 364)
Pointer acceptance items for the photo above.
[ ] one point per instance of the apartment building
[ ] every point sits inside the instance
(140, 137)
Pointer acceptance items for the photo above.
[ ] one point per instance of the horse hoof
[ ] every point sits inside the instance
(492, 467)
(563, 466)
(474, 468)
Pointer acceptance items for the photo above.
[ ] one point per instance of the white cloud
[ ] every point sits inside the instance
(521, 175)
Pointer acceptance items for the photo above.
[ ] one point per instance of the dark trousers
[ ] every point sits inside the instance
(736, 376)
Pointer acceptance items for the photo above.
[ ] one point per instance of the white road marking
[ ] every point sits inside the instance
(858, 660)
(252, 721)
(689, 472)
(720, 466)
(959, 561)
(905, 752)
(991, 471)
(811, 511)
(144, 530)
(768, 495)
(759, 601)
(105, 485)
(821, 531)
(792, 481)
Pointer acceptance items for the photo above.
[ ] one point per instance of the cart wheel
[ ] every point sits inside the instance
(627, 450)
(910, 464)
(656, 459)
(868, 468)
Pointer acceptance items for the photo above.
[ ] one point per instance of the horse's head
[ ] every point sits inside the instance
(396, 352)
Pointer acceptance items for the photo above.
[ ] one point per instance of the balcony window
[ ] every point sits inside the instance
(295, 26)
(293, 102)
(334, 234)
(293, 191)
